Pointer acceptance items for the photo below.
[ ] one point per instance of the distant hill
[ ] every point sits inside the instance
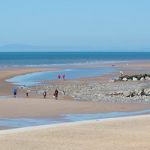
(21, 47)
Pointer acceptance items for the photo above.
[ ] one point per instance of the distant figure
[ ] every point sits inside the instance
(56, 94)
(59, 76)
(15, 91)
(63, 76)
(44, 94)
(27, 92)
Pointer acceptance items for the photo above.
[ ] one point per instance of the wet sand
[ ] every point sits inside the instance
(129, 133)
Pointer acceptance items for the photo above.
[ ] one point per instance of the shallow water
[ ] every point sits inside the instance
(35, 78)
(80, 117)
(3, 97)
(26, 122)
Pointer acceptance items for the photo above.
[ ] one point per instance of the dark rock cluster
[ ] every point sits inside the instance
(139, 77)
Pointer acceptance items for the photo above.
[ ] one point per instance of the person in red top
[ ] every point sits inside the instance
(59, 76)
(63, 76)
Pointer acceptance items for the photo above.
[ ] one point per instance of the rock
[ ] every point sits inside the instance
(142, 92)
(142, 79)
(147, 92)
(138, 76)
(132, 94)
(126, 93)
(147, 78)
(124, 79)
(134, 79)
(139, 93)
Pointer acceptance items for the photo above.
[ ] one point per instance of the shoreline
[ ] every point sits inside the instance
(65, 124)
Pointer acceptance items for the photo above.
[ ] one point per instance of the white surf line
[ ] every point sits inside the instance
(34, 128)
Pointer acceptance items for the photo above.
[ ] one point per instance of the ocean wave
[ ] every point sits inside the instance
(76, 63)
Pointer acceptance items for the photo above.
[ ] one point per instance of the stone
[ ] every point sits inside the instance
(147, 78)
(134, 79)
(147, 92)
(125, 79)
(142, 92)
(126, 93)
(142, 79)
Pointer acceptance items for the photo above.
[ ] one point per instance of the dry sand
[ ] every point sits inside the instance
(130, 133)
(37, 108)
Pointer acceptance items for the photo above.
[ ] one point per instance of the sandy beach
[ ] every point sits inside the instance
(130, 133)
(37, 108)
(121, 134)
(74, 75)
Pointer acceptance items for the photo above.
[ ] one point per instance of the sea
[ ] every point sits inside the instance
(32, 59)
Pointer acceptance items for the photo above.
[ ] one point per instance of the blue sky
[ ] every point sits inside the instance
(75, 25)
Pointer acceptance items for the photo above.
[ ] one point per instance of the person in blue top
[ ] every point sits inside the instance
(15, 91)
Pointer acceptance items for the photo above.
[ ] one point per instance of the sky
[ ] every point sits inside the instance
(75, 25)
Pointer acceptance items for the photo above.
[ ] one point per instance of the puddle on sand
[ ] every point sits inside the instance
(32, 79)
(26, 122)
(80, 117)
(3, 97)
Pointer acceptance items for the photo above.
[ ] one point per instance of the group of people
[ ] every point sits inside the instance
(55, 94)
(61, 76)
(28, 91)
(44, 93)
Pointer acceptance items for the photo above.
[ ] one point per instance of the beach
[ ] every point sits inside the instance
(74, 75)
(83, 96)
(50, 108)
(130, 133)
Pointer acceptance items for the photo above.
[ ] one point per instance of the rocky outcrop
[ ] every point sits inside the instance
(140, 77)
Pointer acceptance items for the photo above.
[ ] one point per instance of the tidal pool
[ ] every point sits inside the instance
(26, 122)
(32, 79)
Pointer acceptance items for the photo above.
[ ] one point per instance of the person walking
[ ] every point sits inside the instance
(63, 76)
(44, 94)
(59, 76)
(15, 91)
(56, 94)
(27, 93)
